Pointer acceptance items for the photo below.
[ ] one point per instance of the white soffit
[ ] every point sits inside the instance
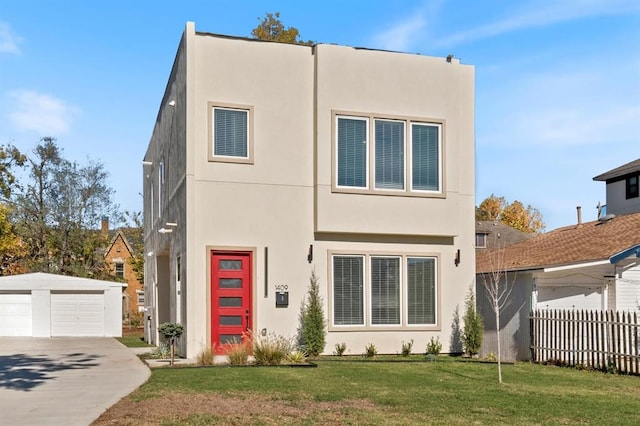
(576, 266)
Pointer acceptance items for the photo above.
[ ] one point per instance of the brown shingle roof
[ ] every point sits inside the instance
(591, 241)
(631, 167)
(499, 234)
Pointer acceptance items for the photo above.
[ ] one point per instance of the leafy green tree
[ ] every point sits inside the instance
(272, 29)
(9, 158)
(473, 330)
(12, 249)
(312, 322)
(58, 210)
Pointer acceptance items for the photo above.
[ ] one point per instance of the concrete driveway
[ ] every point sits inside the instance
(65, 380)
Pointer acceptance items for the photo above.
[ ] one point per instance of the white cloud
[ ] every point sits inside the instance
(8, 41)
(538, 14)
(39, 112)
(400, 36)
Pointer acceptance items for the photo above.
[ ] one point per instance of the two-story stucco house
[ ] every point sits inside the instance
(269, 161)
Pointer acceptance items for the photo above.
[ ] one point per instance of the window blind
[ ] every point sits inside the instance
(348, 280)
(230, 132)
(352, 152)
(425, 148)
(421, 290)
(385, 290)
(389, 155)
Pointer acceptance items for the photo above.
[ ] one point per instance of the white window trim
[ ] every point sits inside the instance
(400, 295)
(440, 157)
(368, 326)
(406, 157)
(212, 106)
(367, 154)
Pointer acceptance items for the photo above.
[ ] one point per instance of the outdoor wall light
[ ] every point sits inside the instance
(310, 254)
(457, 259)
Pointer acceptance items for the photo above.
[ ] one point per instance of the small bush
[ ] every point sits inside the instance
(434, 346)
(297, 357)
(473, 330)
(271, 349)
(370, 350)
(163, 351)
(491, 357)
(341, 348)
(431, 358)
(238, 353)
(206, 356)
(312, 323)
(406, 348)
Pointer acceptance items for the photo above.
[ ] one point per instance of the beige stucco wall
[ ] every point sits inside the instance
(283, 201)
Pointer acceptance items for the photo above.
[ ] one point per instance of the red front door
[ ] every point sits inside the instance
(230, 297)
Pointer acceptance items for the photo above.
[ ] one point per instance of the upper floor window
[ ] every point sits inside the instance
(231, 134)
(481, 240)
(119, 269)
(632, 186)
(404, 157)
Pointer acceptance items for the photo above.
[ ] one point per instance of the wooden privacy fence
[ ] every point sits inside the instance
(597, 339)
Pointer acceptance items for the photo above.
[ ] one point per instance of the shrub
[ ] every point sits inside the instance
(271, 349)
(312, 325)
(434, 346)
(431, 358)
(406, 348)
(171, 331)
(163, 351)
(206, 356)
(340, 349)
(238, 353)
(473, 328)
(370, 350)
(297, 357)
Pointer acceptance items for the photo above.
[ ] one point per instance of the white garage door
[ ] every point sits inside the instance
(569, 298)
(77, 314)
(15, 315)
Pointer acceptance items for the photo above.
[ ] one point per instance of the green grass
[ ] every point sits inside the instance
(133, 342)
(448, 391)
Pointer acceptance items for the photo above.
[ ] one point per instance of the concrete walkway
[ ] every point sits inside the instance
(66, 380)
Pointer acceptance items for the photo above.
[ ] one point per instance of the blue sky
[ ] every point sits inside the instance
(557, 82)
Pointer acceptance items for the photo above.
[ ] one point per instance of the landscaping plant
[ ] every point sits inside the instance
(340, 349)
(238, 353)
(434, 346)
(171, 331)
(312, 323)
(473, 328)
(271, 349)
(370, 350)
(406, 348)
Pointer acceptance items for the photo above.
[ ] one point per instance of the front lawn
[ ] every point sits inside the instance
(448, 391)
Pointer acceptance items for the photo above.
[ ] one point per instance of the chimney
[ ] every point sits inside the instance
(104, 229)
(579, 209)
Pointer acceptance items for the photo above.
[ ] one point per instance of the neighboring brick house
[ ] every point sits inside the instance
(117, 255)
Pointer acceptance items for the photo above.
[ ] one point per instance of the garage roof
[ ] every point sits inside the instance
(41, 280)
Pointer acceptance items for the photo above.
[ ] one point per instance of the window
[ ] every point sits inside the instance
(119, 271)
(231, 134)
(372, 290)
(140, 294)
(406, 155)
(352, 152)
(632, 186)
(481, 240)
(348, 290)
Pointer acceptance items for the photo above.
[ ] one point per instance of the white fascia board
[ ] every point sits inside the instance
(576, 266)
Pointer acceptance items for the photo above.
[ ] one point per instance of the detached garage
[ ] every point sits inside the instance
(49, 305)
